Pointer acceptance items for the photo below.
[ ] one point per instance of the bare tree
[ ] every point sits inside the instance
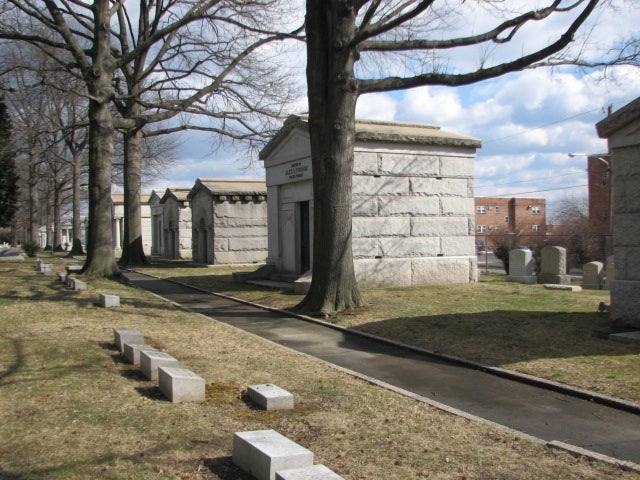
(83, 35)
(365, 46)
(210, 78)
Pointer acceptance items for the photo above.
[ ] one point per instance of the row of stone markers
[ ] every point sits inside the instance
(104, 299)
(553, 270)
(265, 454)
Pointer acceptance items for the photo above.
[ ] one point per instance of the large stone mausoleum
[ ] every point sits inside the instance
(413, 203)
(622, 129)
(229, 221)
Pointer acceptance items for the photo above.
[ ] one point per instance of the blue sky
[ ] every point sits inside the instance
(528, 121)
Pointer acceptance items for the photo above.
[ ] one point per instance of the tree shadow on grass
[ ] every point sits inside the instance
(505, 337)
(225, 469)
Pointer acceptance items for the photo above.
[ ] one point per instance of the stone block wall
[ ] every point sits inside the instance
(240, 229)
(413, 216)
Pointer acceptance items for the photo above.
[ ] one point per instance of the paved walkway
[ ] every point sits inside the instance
(536, 411)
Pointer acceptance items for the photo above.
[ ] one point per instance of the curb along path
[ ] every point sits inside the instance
(561, 420)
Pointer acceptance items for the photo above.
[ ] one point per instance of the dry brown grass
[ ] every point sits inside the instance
(70, 408)
(546, 333)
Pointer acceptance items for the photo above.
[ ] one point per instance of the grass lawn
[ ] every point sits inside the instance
(546, 333)
(71, 408)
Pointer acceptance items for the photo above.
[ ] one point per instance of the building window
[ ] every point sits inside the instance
(535, 228)
(506, 219)
(481, 228)
(535, 210)
(497, 228)
(481, 209)
(497, 209)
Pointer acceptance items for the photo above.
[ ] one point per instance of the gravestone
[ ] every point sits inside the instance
(151, 360)
(521, 266)
(126, 335)
(314, 472)
(180, 385)
(593, 276)
(270, 397)
(553, 268)
(108, 301)
(10, 255)
(132, 351)
(262, 453)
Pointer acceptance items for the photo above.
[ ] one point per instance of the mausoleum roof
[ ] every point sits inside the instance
(383, 132)
(118, 198)
(180, 194)
(618, 119)
(229, 186)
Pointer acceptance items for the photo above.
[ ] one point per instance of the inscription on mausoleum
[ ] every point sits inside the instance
(296, 170)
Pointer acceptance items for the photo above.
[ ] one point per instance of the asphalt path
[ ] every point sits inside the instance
(540, 412)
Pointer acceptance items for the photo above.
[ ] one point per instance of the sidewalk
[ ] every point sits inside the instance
(553, 417)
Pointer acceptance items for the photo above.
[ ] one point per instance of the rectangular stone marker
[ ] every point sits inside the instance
(262, 453)
(47, 270)
(593, 276)
(553, 266)
(270, 397)
(62, 277)
(77, 284)
(150, 360)
(314, 472)
(180, 384)
(126, 335)
(521, 266)
(109, 300)
(74, 268)
(38, 264)
(132, 351)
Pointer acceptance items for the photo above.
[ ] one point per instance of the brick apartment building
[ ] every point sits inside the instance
(600, 205)
(497, 216)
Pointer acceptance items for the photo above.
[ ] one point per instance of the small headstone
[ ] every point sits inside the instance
(132, 351)
(10, 255)
(270, 397)
(47, 270)
(553, 267)
(180, 384)
(62, 276)
(568, 288)
(150, 361)
(74, 268)
(126, 335)
(593, 276)
(262, 453)
(108, 301)
(314, 472)
(521, 266)
(78, 284)
(38, 264)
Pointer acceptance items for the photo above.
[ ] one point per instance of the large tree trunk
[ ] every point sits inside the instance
(332, 92)
(34, 203)
(76, 247)
(100, 258)
(132, 247)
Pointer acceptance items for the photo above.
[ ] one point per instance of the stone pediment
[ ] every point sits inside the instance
(293, 146)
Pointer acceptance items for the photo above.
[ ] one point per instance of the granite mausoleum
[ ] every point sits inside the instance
(622, 129)
(413, 203)
(229, 221)
(176, 224)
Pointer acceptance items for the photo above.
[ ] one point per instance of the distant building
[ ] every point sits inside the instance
(117, 215)
(176, 224)
(229, 220)
(497, 216)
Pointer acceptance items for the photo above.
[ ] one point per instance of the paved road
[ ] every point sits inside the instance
(536, 411)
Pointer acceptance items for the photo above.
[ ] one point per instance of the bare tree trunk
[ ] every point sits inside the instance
(76, 248)
(34, 205)
(332, 99)
(132, 247)
(56, 241)
(100, 258)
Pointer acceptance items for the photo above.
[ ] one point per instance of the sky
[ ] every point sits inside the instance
(528, 123)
